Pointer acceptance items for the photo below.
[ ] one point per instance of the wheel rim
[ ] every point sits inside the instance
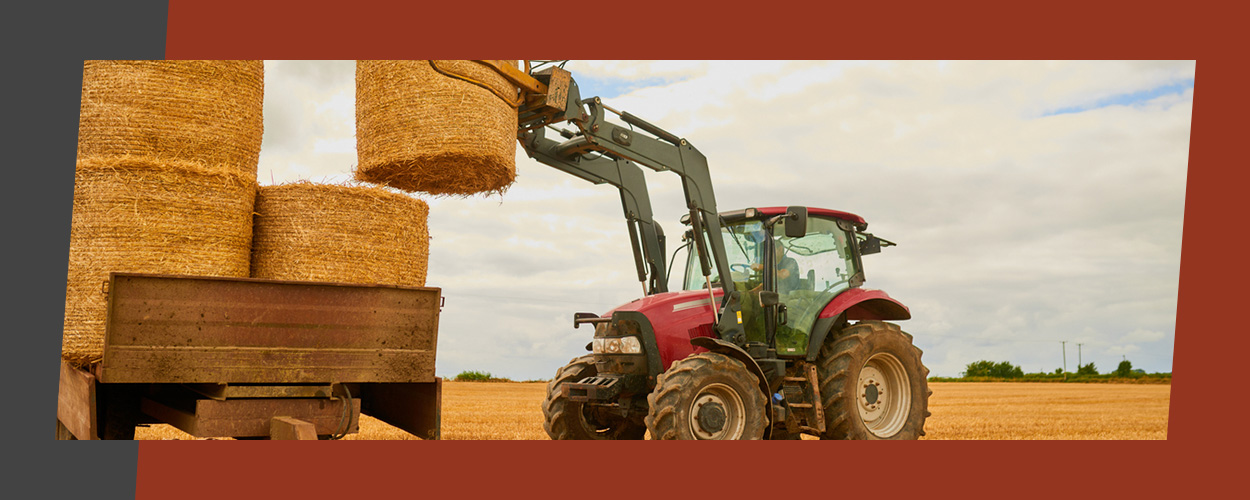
(717, 412)
(883, 395)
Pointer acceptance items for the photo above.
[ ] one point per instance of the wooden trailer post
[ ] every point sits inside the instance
(76, 404)
(291, 428)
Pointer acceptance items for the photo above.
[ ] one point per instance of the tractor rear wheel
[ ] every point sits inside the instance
(573, 420)
(707, 396)
(872, 384)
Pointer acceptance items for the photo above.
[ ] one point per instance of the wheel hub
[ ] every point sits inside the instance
(872, 393)
(884, 395)
(717, 413)
(712, 416)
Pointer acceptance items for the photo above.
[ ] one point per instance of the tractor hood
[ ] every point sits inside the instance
(676, 317)
(676, 301)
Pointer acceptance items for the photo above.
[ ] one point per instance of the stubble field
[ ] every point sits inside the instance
(959, 411)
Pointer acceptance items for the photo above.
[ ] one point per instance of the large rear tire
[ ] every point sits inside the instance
(707, 396)
(573, 420)
(872, 384)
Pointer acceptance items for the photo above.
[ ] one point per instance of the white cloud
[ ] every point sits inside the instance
(1016, 230)
(336, 145)
(1140, 335)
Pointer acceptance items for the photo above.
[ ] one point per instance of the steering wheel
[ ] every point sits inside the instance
(746, 268)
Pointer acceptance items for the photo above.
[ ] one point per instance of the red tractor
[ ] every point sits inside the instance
(771, 336)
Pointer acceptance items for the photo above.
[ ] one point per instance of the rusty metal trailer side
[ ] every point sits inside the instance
(243, 350)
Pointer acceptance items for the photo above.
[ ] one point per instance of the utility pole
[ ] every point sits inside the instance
(1078, 356)
(1065, 358)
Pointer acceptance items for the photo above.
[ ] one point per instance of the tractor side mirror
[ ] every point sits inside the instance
(796, 222)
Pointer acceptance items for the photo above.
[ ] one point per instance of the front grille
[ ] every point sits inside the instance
(624, 364)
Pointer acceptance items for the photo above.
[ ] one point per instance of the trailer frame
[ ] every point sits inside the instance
(256, 358)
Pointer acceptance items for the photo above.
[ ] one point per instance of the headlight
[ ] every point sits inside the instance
(631, 345)
(617, 345)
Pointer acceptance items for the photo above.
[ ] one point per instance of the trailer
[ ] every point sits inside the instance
(256, 359)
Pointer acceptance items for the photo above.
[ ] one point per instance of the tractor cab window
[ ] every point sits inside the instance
(743, 247)
(825, 265)
(823, 257)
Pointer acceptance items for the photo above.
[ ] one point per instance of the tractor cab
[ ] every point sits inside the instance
(810, 267)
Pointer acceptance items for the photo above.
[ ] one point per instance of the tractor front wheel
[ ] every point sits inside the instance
(707, 396)
(872, 384)
(573, 420)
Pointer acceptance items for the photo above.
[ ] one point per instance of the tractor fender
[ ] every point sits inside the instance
(856, 304)
(862, 303)
(732, 350)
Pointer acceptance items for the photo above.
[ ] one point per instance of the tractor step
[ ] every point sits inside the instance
(811, 412)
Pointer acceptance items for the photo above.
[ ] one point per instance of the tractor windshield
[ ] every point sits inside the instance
(743, 247)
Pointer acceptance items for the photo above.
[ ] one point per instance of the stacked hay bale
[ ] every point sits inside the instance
(165, 180)
(442, 127)
(205, 112)
(353, 234)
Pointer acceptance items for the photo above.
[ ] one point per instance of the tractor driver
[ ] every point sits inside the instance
(787, 270)
(787, 280)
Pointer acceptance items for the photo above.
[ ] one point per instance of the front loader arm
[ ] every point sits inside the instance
(646, 237)
(604, 152)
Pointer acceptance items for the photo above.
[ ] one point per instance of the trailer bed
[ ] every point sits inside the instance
(177, 329)
(241, 357)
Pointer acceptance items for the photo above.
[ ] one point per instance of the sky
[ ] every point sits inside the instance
(1033, 202)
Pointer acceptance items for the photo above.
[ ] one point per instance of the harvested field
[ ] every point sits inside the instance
(477, 410)
(1048, 411)
(960, 411)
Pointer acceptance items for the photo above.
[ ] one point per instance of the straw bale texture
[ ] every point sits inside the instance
(132, 214)
(419, 130)
(206, 112)
(351, 234)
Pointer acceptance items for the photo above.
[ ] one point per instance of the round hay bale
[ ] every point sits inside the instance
(420, 130)
(132, 214)
(350, 234)
(206, 112)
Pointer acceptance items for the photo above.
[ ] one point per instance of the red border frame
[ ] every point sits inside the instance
(1188, 462)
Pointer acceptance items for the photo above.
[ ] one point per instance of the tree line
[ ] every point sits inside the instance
(985, 370)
